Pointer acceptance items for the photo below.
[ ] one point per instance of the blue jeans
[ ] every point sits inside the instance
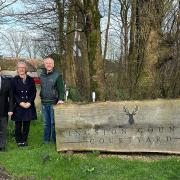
(49, 123)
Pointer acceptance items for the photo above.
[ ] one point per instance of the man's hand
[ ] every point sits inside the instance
(60, 102)
(10, 114)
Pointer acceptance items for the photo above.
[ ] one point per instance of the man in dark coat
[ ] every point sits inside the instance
(6, 108)
(24, 91)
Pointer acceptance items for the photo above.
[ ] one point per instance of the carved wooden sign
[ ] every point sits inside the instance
(127, 126)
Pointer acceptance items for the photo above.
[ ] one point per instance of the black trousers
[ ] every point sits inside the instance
(21, 131)
(3, 131)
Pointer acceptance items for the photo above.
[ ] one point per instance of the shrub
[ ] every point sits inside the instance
(74, 94)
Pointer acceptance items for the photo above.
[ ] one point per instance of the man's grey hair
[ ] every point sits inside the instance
(48, 58)
(21, 62)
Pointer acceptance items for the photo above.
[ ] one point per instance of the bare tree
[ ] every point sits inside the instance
(14, 42)
(6, 3)
(31, 47)
(107, 30)
(142, 34)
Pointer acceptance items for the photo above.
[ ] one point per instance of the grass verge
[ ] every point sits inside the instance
(38, 161)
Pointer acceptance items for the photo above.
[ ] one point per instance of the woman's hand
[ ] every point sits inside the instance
(25, 105)
(28, 105)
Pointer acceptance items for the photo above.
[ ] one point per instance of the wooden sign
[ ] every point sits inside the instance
(127, 126)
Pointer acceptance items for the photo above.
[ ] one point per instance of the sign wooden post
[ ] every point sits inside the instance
(127, 126)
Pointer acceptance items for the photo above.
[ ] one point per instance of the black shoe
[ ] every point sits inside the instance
(24, 144)
(19, 144)
(2, 149)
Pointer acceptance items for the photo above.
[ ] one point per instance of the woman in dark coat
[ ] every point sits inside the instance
(24, 91)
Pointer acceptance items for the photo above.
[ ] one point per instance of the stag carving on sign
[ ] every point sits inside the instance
(131, 118)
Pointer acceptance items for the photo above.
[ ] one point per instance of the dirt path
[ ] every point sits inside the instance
(4, 174)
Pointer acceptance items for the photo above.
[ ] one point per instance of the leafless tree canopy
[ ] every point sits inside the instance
(121, 49)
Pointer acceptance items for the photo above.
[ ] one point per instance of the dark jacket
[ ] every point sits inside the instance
(52, 87)
(24, 92)
(6, 98)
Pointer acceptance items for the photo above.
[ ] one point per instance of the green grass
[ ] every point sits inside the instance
(43, 162)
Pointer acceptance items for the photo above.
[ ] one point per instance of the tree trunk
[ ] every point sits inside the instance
(148, 38)
(93, 34)
(125, 4)
(82, 58)
(132, 49)
(176, 78)
(107, 30)
(70, 72)
(60, 13)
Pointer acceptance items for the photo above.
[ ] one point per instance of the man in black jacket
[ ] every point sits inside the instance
(6, 108)
(52, 92)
